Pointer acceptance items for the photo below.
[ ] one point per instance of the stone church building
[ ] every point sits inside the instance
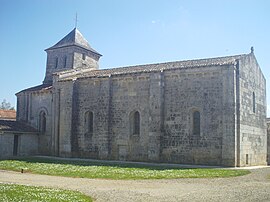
(206, 111)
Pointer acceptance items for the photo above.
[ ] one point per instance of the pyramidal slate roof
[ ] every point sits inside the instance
(74, 38)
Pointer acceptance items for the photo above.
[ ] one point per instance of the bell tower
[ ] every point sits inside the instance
(71, 52)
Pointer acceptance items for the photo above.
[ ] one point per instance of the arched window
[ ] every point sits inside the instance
(253, 102)
(65, 61)
(196, 123)
(42, 122)
(89, 122)
(135, 123)
(56, 62)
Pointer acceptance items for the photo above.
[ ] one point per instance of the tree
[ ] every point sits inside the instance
(6, 105)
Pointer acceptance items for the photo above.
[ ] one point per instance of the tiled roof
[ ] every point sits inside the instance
(83, 73)
(7, 114)
(15, 126)
(37, 88)
(74, 38)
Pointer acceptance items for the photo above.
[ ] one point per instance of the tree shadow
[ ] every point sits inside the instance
(90, 162)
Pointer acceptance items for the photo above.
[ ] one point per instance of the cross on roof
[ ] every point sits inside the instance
(76, 20)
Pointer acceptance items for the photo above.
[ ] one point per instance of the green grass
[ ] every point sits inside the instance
(13, 192)
(87, 169)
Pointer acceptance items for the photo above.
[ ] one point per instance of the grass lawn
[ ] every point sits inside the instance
(88, 169)
(13, 192)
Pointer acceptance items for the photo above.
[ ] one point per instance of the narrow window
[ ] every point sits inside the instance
(196, 123)
(137, 123)
(134, 120)
(15, 145)
(83, 56)
(65, 61)
(246, 159)
(253, 102)
(56, 62)
(42, 122)
(89, 122)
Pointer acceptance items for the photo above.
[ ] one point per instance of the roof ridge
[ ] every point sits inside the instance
(224, 60)
(7, 110)
(178, 61)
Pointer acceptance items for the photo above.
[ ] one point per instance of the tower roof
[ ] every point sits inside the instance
(74, 38)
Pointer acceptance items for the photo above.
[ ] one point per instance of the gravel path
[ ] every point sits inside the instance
(252, 187)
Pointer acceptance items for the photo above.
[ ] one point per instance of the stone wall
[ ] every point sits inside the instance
(187, 91)
(165, 102)
(62, 124)
(91, 96)
(229, 98)
(27, 144)
(6, 145)
(85, 59)
(42, 101)
(30, 104)
(111, 100)
(22, 107)
(268, 141)
(68, 58)
(252, 139)
(130, 93)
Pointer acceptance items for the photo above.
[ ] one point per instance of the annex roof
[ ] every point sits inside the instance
(15, 126)
(84, 73)
(7, 114)
(74, 38)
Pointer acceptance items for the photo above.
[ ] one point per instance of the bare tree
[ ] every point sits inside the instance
(6, 105)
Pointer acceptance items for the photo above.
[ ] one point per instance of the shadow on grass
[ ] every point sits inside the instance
(118, 164)
(115, 169)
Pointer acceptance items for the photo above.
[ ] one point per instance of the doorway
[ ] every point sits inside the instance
(15, 145)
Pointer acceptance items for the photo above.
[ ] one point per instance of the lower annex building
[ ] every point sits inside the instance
(206, 111)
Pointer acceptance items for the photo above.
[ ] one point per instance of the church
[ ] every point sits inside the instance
(205, 111)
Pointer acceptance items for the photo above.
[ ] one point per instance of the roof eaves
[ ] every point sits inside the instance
(75, 44)
(17, 131)
(42, 87)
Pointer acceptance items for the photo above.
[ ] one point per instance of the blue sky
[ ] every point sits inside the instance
(129, 33)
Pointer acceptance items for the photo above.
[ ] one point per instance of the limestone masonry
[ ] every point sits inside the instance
(207, 111)
(268, 140)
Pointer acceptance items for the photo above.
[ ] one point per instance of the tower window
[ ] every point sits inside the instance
(83, 56)
(196, 123)
(253, 102)
(56, 62)
(65, 61)
(89, 122)
(42, 122)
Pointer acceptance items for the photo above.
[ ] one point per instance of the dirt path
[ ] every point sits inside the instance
(252, 187)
